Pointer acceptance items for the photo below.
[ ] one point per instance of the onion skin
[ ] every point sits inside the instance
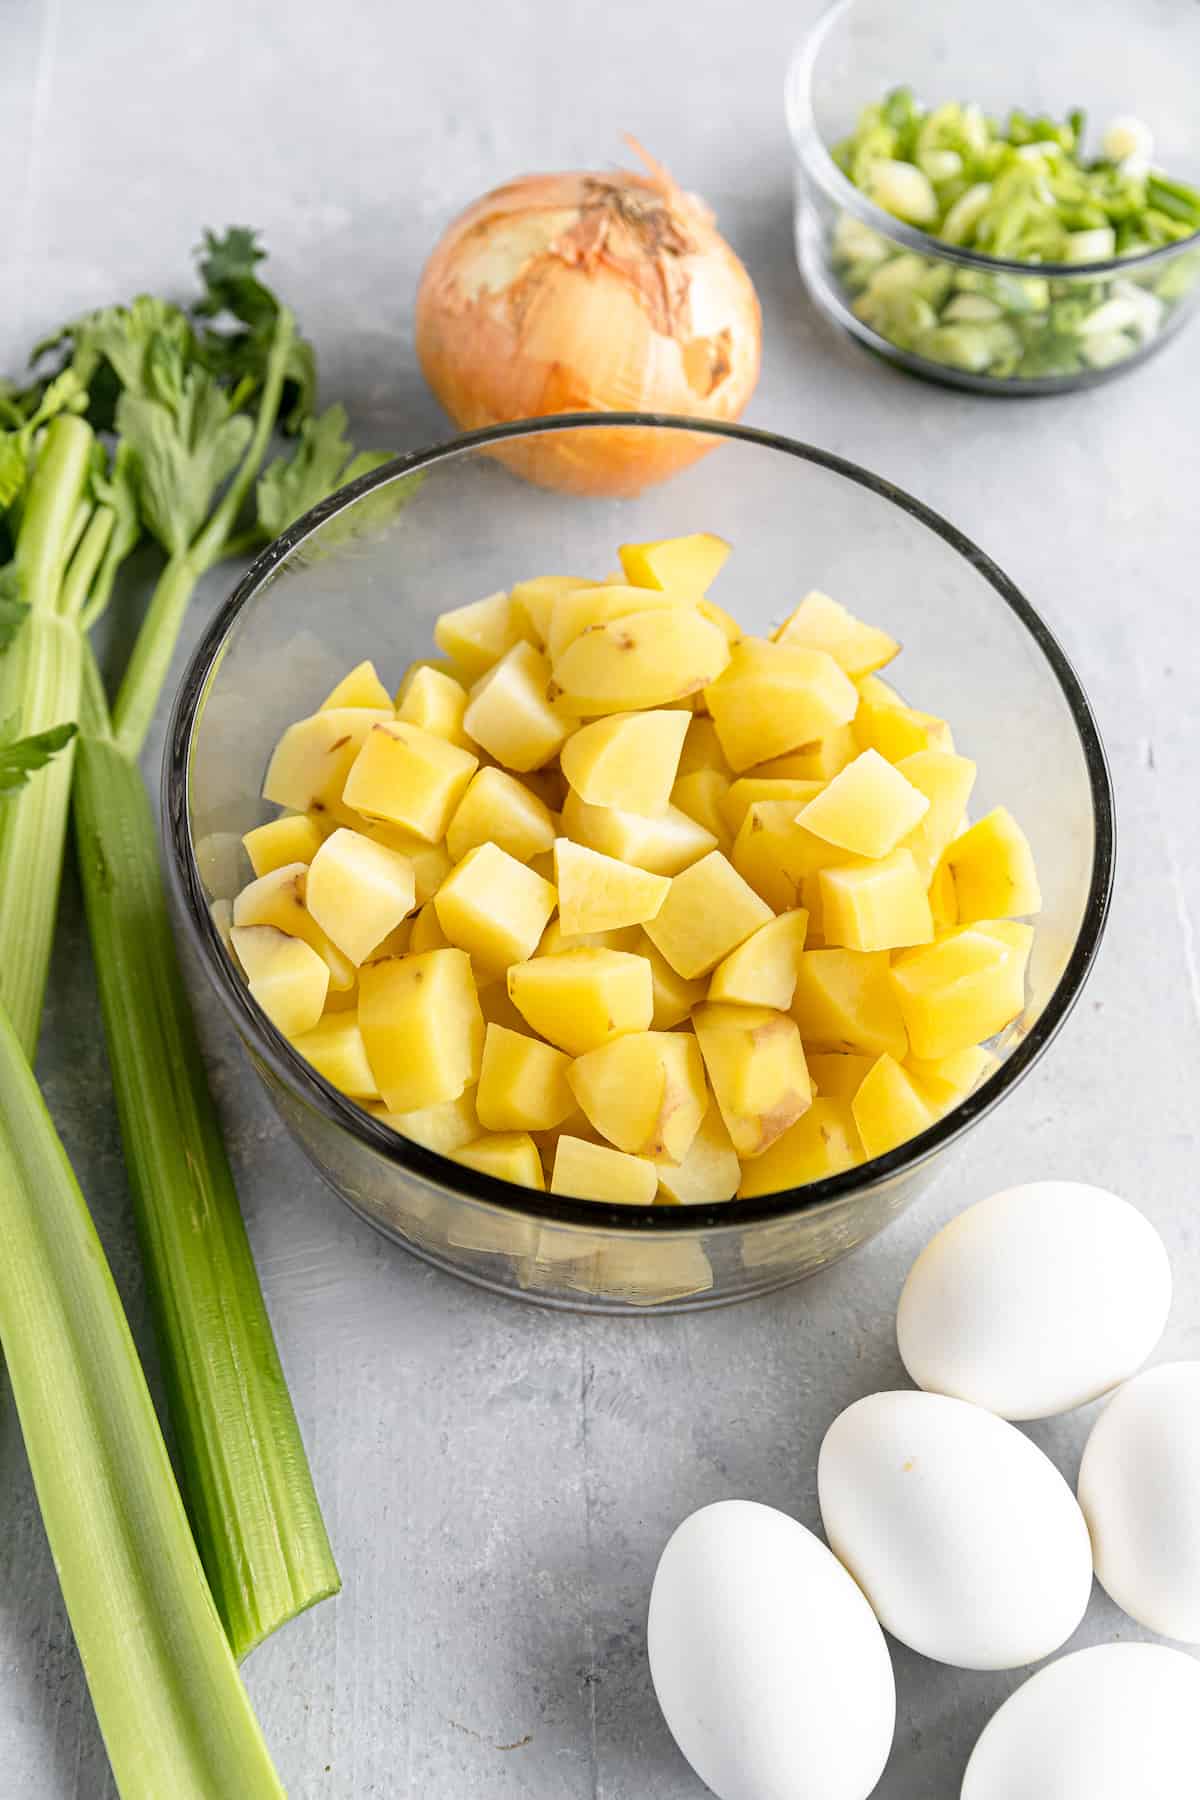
(589, 293)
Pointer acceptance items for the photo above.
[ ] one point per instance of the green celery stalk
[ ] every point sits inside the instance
(175, 1717)
(248, 1486)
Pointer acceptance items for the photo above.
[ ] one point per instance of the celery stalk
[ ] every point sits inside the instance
(175, 1717)
(249, 1491)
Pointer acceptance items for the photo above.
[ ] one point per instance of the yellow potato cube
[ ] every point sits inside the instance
(877, 692)
(312, 759)
(430, 862)
(522, 1083)
(361, 687)
(755, 1062)
(533, 601)
(775, 697)
(627, 760)
(837, 1074)
(422, 1027)
(821, 624)
(582, 998)
(702, 750)
(598, 893)
(278, 899)
(555, 940)
(942, 1084)
(867, 809)
(335, 1049)
(498, 1009)
(708, 912)
(409, 777)
(674, 997)
(434, 701)
(494, 907)
(844, 1001)
(286, 976)
(291, 839)
(716, 615)
(888, 1109)
(875, 905)
(426, 932)
(763, 970)
(510, 715)
(960, 990)
(358, 891)
(993, 870)
(587, 609)
(594, 1172)
(700, 796)
(897, 731)
(477, 636)
(710, 1171)
(819, 761)
(508, 1155)
(943, 901)
(396, 943)
(444, 1128)
(663, 846)
(823, 1141)
(499, 809)
(688, 564)
(643, 659)
(748, 790)
(644, 1092)
(775, 855)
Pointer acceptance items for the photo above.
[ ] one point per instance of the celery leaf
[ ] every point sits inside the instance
(22, 758)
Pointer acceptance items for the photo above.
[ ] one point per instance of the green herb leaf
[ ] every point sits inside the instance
(239, 358)
(182, 444)
(323, 461)
(22, 758)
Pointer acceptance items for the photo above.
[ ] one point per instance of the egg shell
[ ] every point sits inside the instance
(770, 1668)
(1036, 1300)
(964, 1537)
(1139, 1487)
(1118, 1722)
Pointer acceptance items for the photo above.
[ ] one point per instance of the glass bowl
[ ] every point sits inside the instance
(1029, 328)
(366, 574)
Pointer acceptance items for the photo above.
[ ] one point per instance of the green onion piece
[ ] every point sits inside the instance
(175, 1717)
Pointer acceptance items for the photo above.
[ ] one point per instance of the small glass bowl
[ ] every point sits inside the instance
(955, 315)
(349, 582)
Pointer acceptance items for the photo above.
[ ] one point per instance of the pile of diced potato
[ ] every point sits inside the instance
(616, 899)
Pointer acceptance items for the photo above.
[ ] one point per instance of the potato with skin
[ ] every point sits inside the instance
(422, 1027)
(286, 976)
(494, 907)
(589, 609)
(582, 998)
(523, 1083)
(708, 912)
(594, 1172)
(510, 714)
(820, 623)
(408, 777)
(310, 763)
(962, 989)
(888, 1108)
(294, 838)
(763, 970)
(774, 697)
(845, 1001)
(993, 870)
(867, 809)
(499, 809)
(688, 564)
(361, 687)
(278, 899)
(627, 760)
(824, 1141)
(598, 893)
(358, 891)
(664, 846)
(475, 637)
(710, 1171)
(755, 1063)
(645, 1093)
(644, 659)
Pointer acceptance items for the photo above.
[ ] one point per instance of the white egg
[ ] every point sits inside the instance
(965, 1538)
(1139, 1487)
(1036, 1300)
(1119, 1722)
(769, 1666)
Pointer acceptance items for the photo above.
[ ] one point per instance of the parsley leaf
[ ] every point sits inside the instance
(22, 758)
(232, 290)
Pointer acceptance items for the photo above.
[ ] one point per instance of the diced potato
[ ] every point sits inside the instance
(477, 636)
(594, 1172)
(709, 1172)
(896, 731)
(444, 1128)
(430, 862)
(422, 1027)
(875, 691)
(533, 601)
(960, 990)
(436, 702)
(689, 564)
(993, 870)
(494, 907)
(748, 790)
(522, 1083)
(700, 796)
(664, 846)
(702, 750)
(396, 943)
(821, 624)
(543, 865)
(426, 932)
(763, 970)
(286, 976)
(588, 609)
(644, 659)
(510, 715)
(361, 687)
(844, 1001)
(498, 1009)
(358, 891)
(335, 1049)
(674, 997)
(708, 912)
(812, 762)
(308, 770)
(598, 893)
(716, 615)
(755, 1062)
(875, 905)
(942, 1084)
(867, 809)
(508, 1155)
(644, 1092)
(775, 855)
(279, 899)
(946, 781)
(837, 1074)
(499, 809)
(888, 1109)
(943, 901)
(775, 697)
(627, 760)
(409, 777)
(582, 998)
(294, 838)
(555, 940)
(823, 1141)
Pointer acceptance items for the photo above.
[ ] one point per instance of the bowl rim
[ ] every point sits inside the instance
(274, 1050)
(820, 167)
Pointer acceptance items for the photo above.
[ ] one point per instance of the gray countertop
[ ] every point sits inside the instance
(499, 1480)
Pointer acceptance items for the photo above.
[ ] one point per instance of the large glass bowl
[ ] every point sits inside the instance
(1019, 328)
(349, 581)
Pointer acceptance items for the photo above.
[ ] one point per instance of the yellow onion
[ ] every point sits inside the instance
(589, 293)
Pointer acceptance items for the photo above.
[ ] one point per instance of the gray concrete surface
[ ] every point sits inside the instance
(499, 1481)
